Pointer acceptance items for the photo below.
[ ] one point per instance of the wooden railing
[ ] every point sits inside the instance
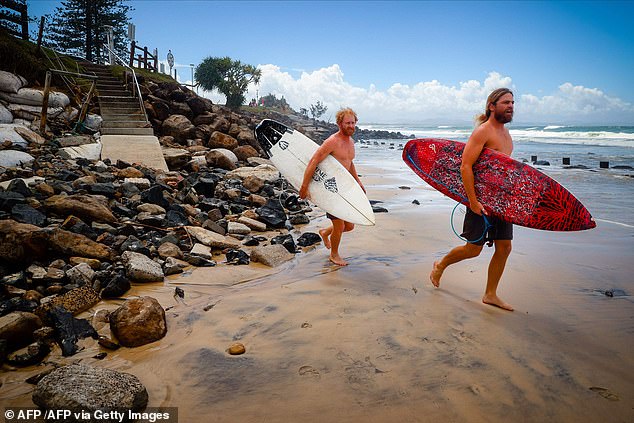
(147, 59)
(21, 19)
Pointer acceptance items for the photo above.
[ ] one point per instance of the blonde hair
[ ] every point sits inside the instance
(492, 99)
(343, 112)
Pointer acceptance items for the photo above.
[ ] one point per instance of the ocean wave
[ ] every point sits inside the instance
(616, 139)
(619, 136)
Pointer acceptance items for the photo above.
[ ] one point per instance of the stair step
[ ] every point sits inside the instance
(124, 108)
(113, 92)
(127, 131)
(113, 83)
(126, 103)
(118, 115)
(120, 124)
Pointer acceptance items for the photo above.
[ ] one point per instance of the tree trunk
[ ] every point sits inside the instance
(89, 30)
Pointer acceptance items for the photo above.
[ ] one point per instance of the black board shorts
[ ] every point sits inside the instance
(473, 228)
(331, 217)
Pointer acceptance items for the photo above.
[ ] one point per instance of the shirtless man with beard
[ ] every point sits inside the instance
(341, 146)
(490, 132)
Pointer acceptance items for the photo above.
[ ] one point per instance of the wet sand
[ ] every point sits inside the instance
(376, 342)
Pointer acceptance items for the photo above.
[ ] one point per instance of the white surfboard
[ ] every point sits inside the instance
(333, 188)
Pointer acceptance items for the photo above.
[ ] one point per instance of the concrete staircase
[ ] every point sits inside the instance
(126, 133)
(121, 112)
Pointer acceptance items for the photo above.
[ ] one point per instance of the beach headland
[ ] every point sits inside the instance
(375, 341)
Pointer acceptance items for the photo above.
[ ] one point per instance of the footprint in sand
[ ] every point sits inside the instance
(605, 393)
(309, 371)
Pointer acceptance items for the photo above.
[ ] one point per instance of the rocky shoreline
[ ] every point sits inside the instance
(75, 230)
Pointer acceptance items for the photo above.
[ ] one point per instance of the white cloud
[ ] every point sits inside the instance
(576, 104)
(432, 101)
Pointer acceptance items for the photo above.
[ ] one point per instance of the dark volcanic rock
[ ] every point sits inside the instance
(272, 214)
(26, 214)
(237, 257)
(69, 329)
(308, 238)
(287, 241)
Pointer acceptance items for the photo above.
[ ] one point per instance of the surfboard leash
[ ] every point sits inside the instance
(487, 224)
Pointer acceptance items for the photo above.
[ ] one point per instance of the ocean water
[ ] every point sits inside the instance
(607, 192)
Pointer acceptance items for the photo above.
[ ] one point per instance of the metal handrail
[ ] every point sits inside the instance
(136, 82)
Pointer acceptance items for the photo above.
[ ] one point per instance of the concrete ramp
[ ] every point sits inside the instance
(143, 149)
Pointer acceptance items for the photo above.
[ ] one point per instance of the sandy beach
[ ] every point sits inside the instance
(376, 342)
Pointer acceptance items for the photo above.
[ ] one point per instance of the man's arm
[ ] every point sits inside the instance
(469, 156)
(322, 152)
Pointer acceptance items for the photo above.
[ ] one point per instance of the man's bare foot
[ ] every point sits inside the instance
(323, 234)
(338, 260)
(436, 274)
(494, 300)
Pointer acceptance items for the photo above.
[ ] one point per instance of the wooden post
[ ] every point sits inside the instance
(156, 62)
(47, 88)
(84, 109)
(144, 57)
(132, 48)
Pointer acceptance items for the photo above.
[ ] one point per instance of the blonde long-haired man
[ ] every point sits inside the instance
(490, 132)
(341, 146)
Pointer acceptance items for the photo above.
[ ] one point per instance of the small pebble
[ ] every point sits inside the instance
(236, 349)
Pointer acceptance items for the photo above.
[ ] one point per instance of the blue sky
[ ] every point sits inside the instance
(411, 61)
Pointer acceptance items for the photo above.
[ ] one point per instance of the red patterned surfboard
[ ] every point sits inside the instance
(508, 189)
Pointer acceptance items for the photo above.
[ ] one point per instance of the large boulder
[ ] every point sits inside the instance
(140, 268)
(138, 322)
(12, 158)
(176, 157)
(79, 387)
(10, 83)
(5, 115)
(178, 126)
(212, 239)
(217, 158)
(206, 118)
(35, 97)
(199, 105)
(265, 172)
(30, 113)
(74, 301)
(246, 137)
(219, 140)
(271, 255)
(87, 207)
(244, 152)
(30, 136)
(21, 242)
(221, 124)
(74, 244)
(17, 328)
(8, 133)
(180, 108)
